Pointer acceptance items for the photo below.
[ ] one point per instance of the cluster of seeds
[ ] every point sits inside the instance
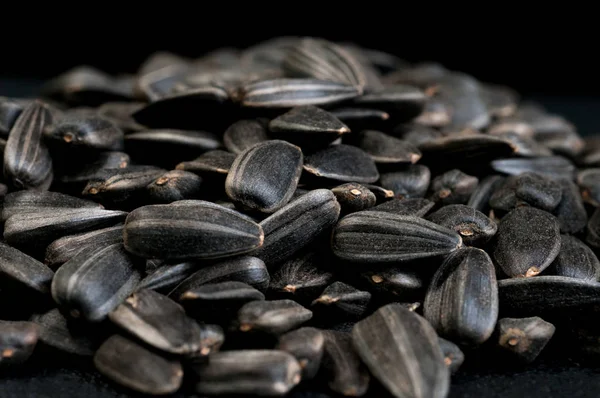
(298, 213)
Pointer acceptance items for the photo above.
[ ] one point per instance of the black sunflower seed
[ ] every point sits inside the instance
(576, 260)
(453, 187)
(63, 249)
(212, 165)
(380, 237)
(342, 163)
(306, 345)
(301, 278)
(466, 98)
(248, 372)
(264, 177)
(249, 270)
(164, 278)
(160, 322)
(353, 197)
(31, 201)
(473, 226)
(358, 119)
(411, 182)
(462, 299)
(27, 161)
(342, 367)
(416, 134)
(453, 355)
(524, 146)
(90, 133)
(288, 93)
(480, 197)
(504, 199)
(174, 185)
(74, 176)
(501, 101)
(383, 195)
(10, 109)
(95, 281)
(385, 149)
(396, 335)
(395, 283)
(133, 366)
(17, 342)
(551, 166)
(345, 301)
(524, 338)
(296, 225)
(528, 240)
(417, 207)
(243, 134)
(210, 231)
(538, 191)
(120, 114)
(57, 332)
(589, 182)
(570, 212)
(402, 102)
(276, 317)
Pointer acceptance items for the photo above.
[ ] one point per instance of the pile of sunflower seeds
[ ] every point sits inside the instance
(298, 213)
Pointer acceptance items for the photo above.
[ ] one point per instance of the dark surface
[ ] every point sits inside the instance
(482, 377)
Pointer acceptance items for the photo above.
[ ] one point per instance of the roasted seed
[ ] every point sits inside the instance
(395, 283)
(342, 163)
(524, 338)
(17, 268)
(276, 317)
(411, 182)
(453, 187)
(462, 299)
(342, 299)
(306, 345)
(473, 226)
(133, 366)
(30, 201)
(210, 230)
(174, 185)
(380, 237)
(95, 282)
(248, 372)
(264, 177)
(353, 197)
(395, 335)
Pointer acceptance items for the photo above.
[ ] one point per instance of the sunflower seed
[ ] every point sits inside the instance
(63, 249)
(589, 182)
(212, 164)
(453, 356)
(248, 372)
(17, 342)
(551, 166)
(157, 320)
(380, 237)
(360, 118)
(353, 197)
(480, 197)
(538, 191)
(74, 177)
(174, 185)
(396, 335)
(57, 332)
(288, 93)
(342, 163)
(211, 231)
(453, 187)
(265, 176)
(342, 367)
(250, 270)
(386, 149)
(383, 195)
(276, 317)
(27, 161)
(342, 299)
(93, 133)
(31, 202)
(22, 271)
(524, 338)
(570, 212)
(243, 134)
(306, 345)
(473, 226)
(417, 207)
(95, 281)
(462, 299)
(167, 276)
(402, 102)
(524, 146)
(411, 182)
(133, 366)
(297, 224)
(10, 109)
(395, 283)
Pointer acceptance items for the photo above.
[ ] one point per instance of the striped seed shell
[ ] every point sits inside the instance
(343, 299)
(452, 187)
(306, 345)
(95, 133)
(410, 182)
(474, 227)
(95, 282)
(276, 317)
(576, 260)
(527, 241)
(27, 161)
(167, 276)
(570, 212)
(18, 268)
(524, 338)
(56, 331)
(264, 177)
(354, 197)
(386, 149)
(551, 166)
(198, 229)
(453, 355)
(381, 237)
(342, 163)
(174, 185)
(462, 299)
(211, 164)
(395, 335)
(29, 201)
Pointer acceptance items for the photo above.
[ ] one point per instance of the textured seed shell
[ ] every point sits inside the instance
(174, 185)
(158, 321)
(308, 119)
(343, 298)
(386, 149)
(297, 224)
(250, 270)
(480, 197)
(209, 164)
(345, 372)
(381, 237)
(222, 292)
(551, 166)
(395, 283)
(354, 197)
(453, 187)
(210, 231)
(472, 225)
(410, 182)
(119, 185)
(133, 366)
(90, 132)
(95, 281)
(306, 345)
(248, 372)
(395, 335)
(453, 355)
(30, 201)
(55, 332)
(27, 161)
(63, 249)
(276, 317)
(243, 134)
(167, 276)
(288, 93)
(457, 149)
(17, 341)
(417, 207)
(576, 260)
(539, 191)
(462, 300)
(527, 242)
(16, 266)
(92, 168)
(525, 338)
(342, 163)
(570, 212)
(265, 176)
